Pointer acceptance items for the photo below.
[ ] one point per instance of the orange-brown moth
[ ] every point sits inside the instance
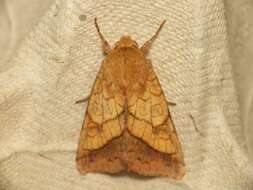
(128, 126)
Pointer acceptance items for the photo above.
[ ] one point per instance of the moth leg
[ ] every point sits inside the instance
(83, 100)
(105, 45)
(147, 45)
(171, 103)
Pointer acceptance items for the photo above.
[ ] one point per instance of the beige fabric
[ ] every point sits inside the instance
(240, 24)
(56, 64)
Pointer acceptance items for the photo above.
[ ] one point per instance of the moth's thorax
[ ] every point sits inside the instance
(127, 68)
(126, 41)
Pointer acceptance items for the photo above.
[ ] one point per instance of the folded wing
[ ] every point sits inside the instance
(149, 118)
(104, 119)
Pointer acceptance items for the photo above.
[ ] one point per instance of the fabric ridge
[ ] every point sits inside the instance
(56, 64)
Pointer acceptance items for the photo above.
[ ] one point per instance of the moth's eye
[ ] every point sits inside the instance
(116, 45)
(134, 44)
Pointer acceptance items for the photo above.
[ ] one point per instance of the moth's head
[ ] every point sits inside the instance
(126, 41)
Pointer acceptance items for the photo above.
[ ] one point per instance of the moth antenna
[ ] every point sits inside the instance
(105, 45)
(147, 45)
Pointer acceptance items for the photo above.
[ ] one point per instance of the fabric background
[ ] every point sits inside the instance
(49, 58)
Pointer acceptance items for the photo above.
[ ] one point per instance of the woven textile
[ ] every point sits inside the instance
(57, 64)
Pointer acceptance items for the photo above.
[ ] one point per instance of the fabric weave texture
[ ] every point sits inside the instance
(57, 63)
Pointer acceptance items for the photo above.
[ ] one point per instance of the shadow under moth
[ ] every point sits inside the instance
(127, 125)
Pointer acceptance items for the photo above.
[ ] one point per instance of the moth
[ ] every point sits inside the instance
(128, 125)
